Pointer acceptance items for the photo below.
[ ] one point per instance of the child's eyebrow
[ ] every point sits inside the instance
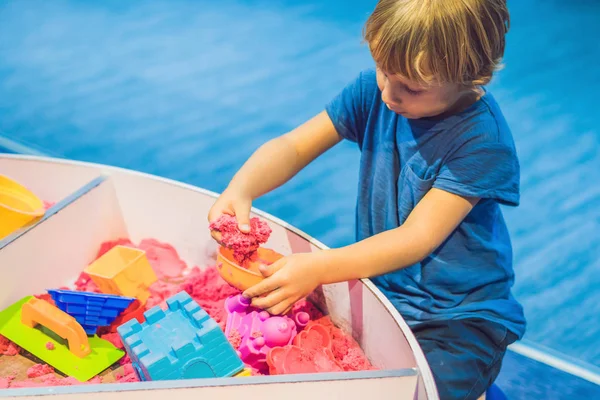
(411, 88)
(402, 80)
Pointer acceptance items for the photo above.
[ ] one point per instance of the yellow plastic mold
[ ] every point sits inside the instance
(244, 372)
(123, 271)
(18, 206)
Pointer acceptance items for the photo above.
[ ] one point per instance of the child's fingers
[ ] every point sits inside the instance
(264, 286)
(242, 214)
(288, 309)
(280, 308)
(216, 212)
(217, 236)
(269, 301)
(268, 270)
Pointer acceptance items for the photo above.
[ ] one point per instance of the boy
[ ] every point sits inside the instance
(437, 160)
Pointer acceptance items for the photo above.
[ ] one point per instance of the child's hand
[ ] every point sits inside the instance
(232, 203)
(287, 281)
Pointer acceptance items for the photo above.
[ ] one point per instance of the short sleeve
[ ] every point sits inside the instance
(482, 169)
(349, 109)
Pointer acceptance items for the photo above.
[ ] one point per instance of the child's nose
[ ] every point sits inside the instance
(386, 98)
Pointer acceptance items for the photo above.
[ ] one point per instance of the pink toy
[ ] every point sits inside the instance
(310, 353)
(259, 331)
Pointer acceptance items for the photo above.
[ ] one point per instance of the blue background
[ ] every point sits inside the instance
(189, 89)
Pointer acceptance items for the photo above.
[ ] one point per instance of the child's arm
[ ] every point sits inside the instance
(434, 218)
(273, 164)
(430, 223)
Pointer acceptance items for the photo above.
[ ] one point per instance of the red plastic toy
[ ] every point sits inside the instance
(310, 353)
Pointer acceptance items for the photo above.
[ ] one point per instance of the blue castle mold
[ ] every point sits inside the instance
(182, 342)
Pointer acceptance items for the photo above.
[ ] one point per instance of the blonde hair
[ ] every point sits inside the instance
(448, 41)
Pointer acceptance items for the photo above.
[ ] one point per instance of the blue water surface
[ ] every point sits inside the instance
(189, 89)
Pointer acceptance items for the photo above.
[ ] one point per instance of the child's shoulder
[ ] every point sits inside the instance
(482, 122)
(492, 117)
(476, 154)
(353, 105)
(368, 76)
(363, 88)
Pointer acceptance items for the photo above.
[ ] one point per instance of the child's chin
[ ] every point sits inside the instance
(399, 112)
(405, 114)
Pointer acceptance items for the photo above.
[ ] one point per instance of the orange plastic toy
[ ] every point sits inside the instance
(239, 277)
(123, 271)
(37, 311)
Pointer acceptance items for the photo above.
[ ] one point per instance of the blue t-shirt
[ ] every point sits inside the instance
(471, 153)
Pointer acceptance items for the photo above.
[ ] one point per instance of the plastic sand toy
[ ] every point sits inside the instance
(33, 323)
(123, 271)
(181, 342)
(238, 276)
(259, 331)
(18, 206)
(310, 353)
(91, 310)
(245, 372)
(40, 312)
(135, 310)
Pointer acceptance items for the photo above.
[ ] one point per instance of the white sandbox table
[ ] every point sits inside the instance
(97, 203)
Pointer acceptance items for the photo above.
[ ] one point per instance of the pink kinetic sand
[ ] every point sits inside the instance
(39, 370)
(8, 348)
(244, 245)
(128, 375)
(52, 380)
(204, 286)
(114, 338)
(5, 382)
(162, 256)
(235, 339)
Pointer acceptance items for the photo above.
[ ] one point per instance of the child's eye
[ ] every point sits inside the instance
(413, 92)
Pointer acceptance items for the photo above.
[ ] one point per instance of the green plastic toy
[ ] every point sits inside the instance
(103, 354)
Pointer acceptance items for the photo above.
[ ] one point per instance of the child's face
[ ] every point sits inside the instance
(412, 101)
